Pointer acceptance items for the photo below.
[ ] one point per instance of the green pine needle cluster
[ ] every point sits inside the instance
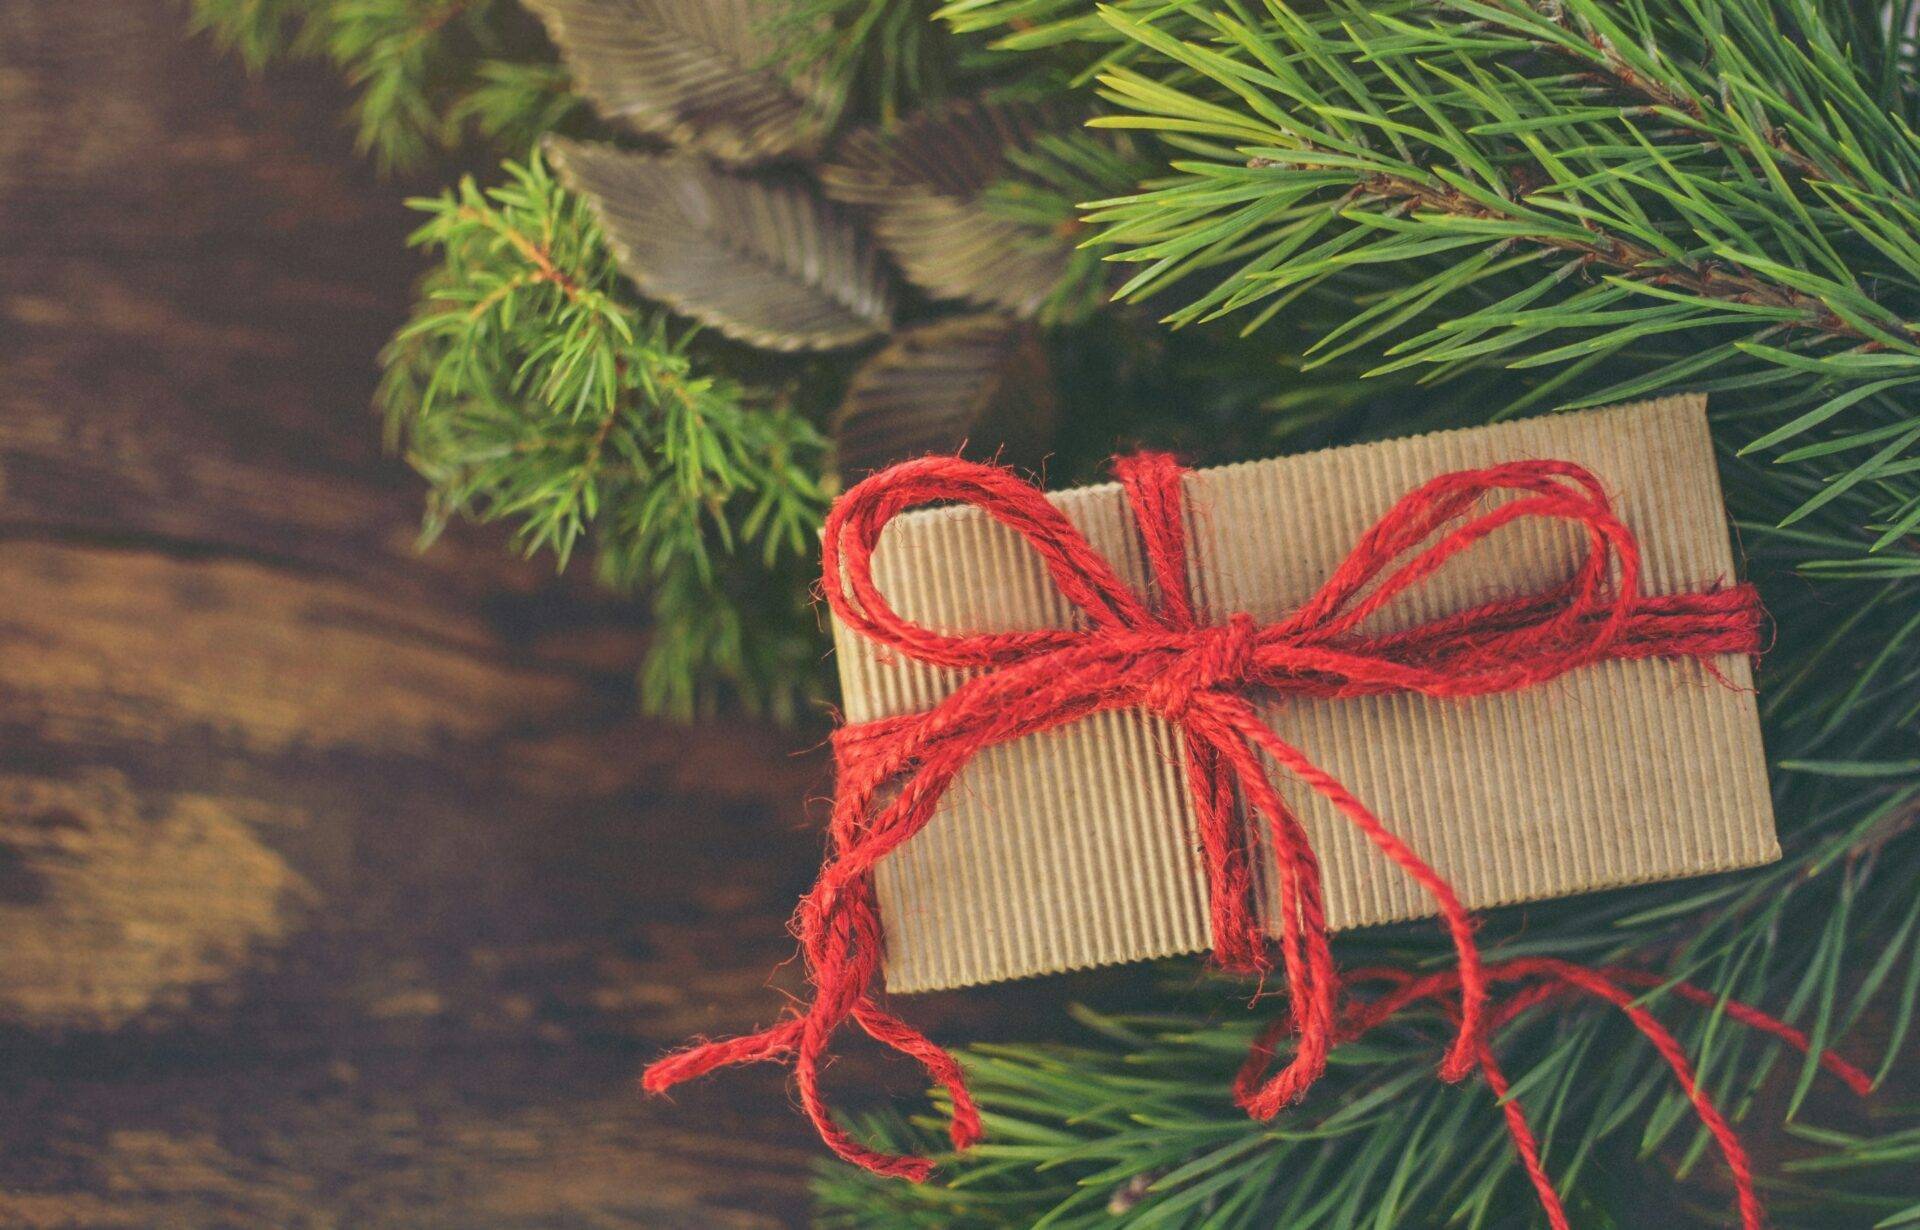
(1622, 198)
(533, 387)
(424, 72)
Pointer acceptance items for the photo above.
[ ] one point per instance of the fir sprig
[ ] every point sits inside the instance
(531, 387)
(513, 103)
(421, 70)
(1672, 194)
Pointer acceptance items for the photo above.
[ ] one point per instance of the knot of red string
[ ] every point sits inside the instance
(1154, 652)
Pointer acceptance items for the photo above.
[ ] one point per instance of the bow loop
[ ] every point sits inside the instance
(853, 531)
(1154, 486)
(1390, 558)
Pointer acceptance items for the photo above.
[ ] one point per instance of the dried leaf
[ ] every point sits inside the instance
(768, 261)
(699, 73)
(980, 381)
(956, 150)
(923, 180)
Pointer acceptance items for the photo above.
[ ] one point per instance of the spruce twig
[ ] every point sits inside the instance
(531, 387)
(1747, 212)
(422, 71)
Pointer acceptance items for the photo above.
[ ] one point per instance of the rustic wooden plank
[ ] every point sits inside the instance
(195, 275)
(343, 885)
(513, 1140)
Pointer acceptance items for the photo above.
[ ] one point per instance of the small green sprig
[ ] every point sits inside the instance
(511, 104)
(422, 70)
(1614, 199)
(531, 387)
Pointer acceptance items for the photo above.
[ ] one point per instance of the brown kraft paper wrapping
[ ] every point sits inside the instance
(1076, 848)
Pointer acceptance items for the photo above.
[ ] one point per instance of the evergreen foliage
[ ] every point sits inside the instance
(423, 71)
(1705, 195)
(532, 386)
(1326, 221)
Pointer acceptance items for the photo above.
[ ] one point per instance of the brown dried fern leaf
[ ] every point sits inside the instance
(699, 73)
(923, 178)
(767, 261)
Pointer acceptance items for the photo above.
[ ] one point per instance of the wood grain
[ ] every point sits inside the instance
(342, 883)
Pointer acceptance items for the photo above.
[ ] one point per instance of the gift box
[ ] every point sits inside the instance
(1076, 847)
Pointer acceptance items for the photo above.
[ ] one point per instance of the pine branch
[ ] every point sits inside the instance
(422, 70)
(1137, 1128)
(1667, 190)
(1705, 281)
(531, 387)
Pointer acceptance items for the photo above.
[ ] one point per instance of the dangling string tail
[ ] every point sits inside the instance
(1155, 653)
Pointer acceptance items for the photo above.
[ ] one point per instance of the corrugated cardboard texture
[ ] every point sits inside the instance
(1076, 848)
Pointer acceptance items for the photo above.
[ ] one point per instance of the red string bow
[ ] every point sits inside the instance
(1158, 655)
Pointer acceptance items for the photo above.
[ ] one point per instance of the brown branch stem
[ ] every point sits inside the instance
(1657, 92)
(544, 268)
(1706, 280)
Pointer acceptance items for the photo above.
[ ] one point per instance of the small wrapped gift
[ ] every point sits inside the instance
(1076, 847)
(1237, 709)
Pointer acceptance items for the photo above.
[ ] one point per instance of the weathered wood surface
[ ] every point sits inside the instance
(340, 884)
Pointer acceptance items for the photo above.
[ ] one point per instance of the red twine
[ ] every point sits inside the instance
(1159, 656)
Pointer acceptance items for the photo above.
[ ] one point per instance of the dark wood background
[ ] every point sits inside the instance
(340, 883)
